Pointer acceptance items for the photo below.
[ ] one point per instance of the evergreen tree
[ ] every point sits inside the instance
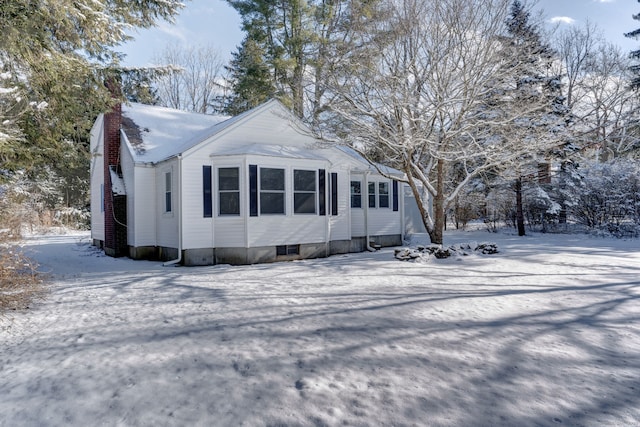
(635, 82)
(61, 50)
(250, 78)
(534, 90)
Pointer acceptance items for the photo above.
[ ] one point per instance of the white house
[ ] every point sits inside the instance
(201, 189)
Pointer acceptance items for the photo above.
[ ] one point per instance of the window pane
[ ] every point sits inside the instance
(304, 180)
(356, 187)
(229, 179)
(167, 201)
(383, 192)
(304, 203)
(271, 179)
(167, 181)
(356, 191)
(271, 203)
(372, 194)
(230, 203)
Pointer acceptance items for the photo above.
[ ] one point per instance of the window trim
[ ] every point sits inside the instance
(219, 191)
(307, 192)
(352, 194)
(283, 191)
(168, 192)
(381, 194)
(372, 197)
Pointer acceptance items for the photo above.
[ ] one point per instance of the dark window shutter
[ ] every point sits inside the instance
(207, 196)
(395, 196)
(334, 193)
(322, 190)
(253, 190)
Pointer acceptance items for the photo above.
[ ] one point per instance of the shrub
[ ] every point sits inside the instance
(20, 282)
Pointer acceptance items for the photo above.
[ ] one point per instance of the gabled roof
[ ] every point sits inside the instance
(157, 133)
(154, 134)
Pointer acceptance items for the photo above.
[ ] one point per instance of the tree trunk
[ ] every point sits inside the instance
(519, 211)
(436, 235)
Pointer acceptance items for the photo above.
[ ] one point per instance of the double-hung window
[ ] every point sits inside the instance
(229, 191)
(304, 192)
(271, 191)
(383, 194)
(356, 194)
(372, 194)
(167, 192)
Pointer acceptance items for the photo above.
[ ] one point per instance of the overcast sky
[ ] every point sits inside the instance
(214, 22)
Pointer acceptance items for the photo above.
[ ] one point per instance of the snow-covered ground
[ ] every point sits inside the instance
(545, 333)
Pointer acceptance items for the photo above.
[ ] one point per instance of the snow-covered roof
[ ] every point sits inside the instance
(154, 134)
(365, 164)
(157, 133)
(271, 151)
(117, 183)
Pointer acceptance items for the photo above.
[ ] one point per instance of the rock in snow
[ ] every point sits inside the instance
(423, 253)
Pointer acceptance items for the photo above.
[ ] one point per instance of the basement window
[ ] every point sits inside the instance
(287, 250)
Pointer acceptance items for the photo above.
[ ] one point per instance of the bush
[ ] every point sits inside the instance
(20, 282)
(609, 197)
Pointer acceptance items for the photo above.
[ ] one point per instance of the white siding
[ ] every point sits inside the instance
(145, 207)
(273, 230)
(126, 163)
(340, 224)
(167, 222)
(381, 221)
(97, 180)
(197, 231)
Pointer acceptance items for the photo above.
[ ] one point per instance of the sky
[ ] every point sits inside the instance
(215, 23)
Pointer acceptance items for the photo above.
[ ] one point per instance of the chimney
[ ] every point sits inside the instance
(115, 214)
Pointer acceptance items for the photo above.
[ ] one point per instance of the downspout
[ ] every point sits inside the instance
(365, 190)
(179, 259)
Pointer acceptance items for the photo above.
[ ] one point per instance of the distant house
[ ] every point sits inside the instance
(201, 189)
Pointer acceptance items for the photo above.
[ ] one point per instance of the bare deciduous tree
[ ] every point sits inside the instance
(417, 92)
(196, 82)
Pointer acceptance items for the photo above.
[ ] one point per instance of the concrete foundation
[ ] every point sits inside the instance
(264, 254)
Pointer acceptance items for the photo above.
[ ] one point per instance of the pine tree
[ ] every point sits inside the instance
(250, 78)
(635, 82)
(534, 90)
(58, 54)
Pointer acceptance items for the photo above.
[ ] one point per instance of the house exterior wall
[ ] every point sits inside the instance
(340, 225)
(128, 171)
(380, 221)
(97, 182)
(167, 221)
(146, 207)
(244, 238)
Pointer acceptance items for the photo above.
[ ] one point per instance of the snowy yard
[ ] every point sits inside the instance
(545, 333)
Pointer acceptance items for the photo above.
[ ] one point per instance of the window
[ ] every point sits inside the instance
(167, 192)
(383, 194)
(229, 191)
(304, 192)
(287, 250)
(356, 194)
(372, 194)
(101, 197)
(207, 201)
(271, 191)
